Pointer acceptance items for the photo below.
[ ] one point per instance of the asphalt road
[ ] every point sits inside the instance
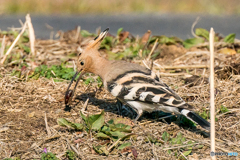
(138, 24)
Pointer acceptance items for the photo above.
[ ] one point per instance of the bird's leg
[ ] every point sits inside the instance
(139, 114)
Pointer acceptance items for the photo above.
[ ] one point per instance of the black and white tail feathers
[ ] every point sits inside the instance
(196, 118)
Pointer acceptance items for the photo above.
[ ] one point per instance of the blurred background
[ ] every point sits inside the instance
(47, 7)
(171, 18)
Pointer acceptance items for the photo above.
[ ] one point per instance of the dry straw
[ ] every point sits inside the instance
(27, 24)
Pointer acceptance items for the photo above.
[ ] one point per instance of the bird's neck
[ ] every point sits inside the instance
(101, 67)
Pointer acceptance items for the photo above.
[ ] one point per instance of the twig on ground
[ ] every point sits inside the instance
(175, 74)
(84, 108)
(185, 66)
(46, 124)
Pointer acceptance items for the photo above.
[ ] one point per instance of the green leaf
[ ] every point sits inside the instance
(118, 134)
(66, 123)
(102, 135)
(85, 33)
(202, 33)
(230, 38)
(124, 145)
(188, 43)
(101, 150)
(123, 128)
(186, 153)
(96, 121)
(166, 40)
(111, 121)
(83, 116)
(119, 31)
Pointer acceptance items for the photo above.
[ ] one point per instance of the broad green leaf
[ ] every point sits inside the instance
(119, 31)
(202, 33)
(102, 135)
(105, 129)
(66, 123)
(118, 134)
(124, 145)
(188, 43)
(186, 153)
(101, 150)
(110, 121)
(123, 128)
(230, 38)
(96, 121)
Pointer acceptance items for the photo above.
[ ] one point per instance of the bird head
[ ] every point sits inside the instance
(85, 61)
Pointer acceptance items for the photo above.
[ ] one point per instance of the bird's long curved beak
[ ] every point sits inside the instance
(69, 93)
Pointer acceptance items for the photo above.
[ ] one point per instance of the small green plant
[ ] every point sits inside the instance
(16, 158)
(114, 130)
(179, 140)
(70, 155)
(48, 156)
(223, 109)
(205, 114)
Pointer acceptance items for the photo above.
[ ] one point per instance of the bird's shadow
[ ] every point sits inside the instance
(111, 106)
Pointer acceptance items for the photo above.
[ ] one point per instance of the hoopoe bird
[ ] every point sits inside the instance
(132, 84)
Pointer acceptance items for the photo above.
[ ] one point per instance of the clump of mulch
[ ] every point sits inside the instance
(228, 71)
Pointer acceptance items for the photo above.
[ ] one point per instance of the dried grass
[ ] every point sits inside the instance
(24, 104)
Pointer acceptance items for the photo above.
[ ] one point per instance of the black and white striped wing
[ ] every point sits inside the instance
(145, 88)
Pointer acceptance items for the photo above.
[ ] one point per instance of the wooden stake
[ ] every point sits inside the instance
(212, 110)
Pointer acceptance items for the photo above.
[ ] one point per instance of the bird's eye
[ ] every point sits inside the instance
(79, 54)
(82, 63)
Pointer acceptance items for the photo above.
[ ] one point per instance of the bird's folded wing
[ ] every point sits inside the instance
(148, 93)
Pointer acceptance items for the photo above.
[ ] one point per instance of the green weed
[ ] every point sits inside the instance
(114, 130)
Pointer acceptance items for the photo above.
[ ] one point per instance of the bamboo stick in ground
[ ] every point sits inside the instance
(14, 43)
(31, 34)
(212, 111)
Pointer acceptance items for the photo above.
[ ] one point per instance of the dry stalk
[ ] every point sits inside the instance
(193, 25)
(46, 124)
(153, 48)
(78, 33)
(212, 90)
(184, 67)
(31, 34)
(14, 43)
(85, 105)
(3, 46)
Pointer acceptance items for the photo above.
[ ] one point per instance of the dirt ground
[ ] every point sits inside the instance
(29, 108)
